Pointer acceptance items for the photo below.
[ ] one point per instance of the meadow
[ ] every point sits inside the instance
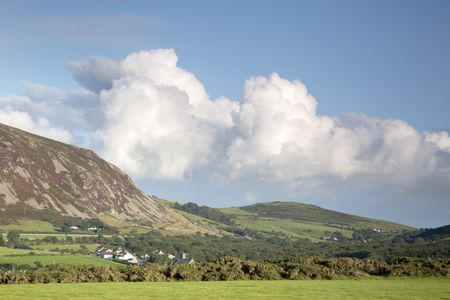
(375, 288)
(77, 260)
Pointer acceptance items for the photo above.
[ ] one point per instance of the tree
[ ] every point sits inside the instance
(13, 237)
(2, 240)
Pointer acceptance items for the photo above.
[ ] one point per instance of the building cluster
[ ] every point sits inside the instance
(126, 256)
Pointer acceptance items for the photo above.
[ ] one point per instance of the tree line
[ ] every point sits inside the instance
(249, 245)
(205, 211)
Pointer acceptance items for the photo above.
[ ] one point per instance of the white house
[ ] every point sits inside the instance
(104, 253)
(108, 254)
(125, 256)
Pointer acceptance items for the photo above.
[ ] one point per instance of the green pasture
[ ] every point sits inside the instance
(62, 247)
(29, 225)
(291, 228)
(60, 236)
(45, 249)
(11, 251)
(57, 259)
(403, 288)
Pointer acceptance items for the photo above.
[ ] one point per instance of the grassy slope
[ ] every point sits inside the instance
(303, 220)
(404, 288)
(213, 226)
(29, 225)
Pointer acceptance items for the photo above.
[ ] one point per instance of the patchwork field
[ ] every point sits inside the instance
(404, 288)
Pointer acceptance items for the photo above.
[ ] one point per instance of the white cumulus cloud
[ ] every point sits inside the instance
(281, 137)
(159, 120)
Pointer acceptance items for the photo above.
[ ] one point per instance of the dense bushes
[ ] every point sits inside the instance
(229, 268)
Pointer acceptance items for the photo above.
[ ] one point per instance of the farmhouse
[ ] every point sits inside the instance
(125, 255)
(104, 253)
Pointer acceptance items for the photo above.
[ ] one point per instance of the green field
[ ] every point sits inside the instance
(45, 249)
(11, 251)
(59, 236)
(29, 225)
(57, 259)
(49, 247)
(404, 288)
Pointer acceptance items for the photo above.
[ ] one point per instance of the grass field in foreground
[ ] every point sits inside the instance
(402, 288)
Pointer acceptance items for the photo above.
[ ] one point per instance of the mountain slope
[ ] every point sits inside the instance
(39, 175)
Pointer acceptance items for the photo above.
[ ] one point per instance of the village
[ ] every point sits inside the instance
(125, 256)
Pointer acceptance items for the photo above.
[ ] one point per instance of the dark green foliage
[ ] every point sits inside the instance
(205, 211)
(13, 237)
(254, 246)
(50, 239)
(229, 268)
(442, 232)
(2, 240)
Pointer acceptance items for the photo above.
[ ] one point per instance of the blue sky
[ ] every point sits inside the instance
(385, 59)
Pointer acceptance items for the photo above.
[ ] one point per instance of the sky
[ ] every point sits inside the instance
(341, 104)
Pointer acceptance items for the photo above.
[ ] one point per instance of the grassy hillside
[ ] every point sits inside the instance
(292, 219)
(304, 220)
(29, 225)
(404, 288)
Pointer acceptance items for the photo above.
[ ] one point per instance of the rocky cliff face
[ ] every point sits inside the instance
(38, 173)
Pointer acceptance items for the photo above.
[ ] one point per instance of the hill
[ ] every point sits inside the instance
(442, 232)
(304, 220)
(291, 219)
(42, 179)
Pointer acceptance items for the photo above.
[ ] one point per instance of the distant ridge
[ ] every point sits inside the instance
(312, 213)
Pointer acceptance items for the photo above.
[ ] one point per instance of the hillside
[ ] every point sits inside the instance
(42, 179)
(442, 232)
(291, 219)
(304, 220)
